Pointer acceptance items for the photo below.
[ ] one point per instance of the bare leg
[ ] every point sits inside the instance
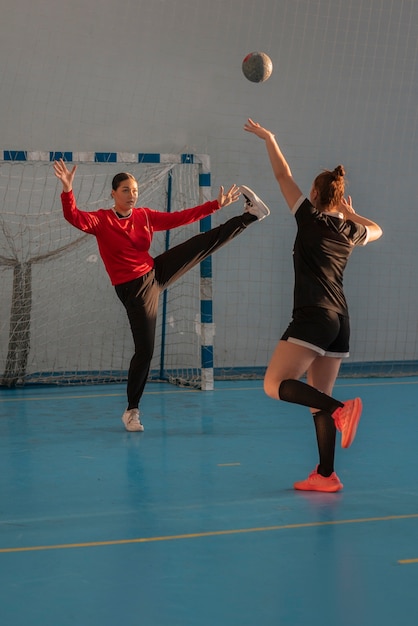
(289, 362)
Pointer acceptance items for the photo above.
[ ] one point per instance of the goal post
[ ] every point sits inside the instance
(61, 322)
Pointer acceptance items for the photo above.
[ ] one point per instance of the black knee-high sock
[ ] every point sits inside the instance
(297, 392)
(325, 437)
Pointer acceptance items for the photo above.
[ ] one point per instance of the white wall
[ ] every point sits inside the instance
(165, 76)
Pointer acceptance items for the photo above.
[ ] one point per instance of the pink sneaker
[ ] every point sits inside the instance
(346, 420)
(316, 482)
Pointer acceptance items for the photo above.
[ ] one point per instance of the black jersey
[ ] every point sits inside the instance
(322, 247)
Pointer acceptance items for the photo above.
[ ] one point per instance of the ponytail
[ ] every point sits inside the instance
(330, 186)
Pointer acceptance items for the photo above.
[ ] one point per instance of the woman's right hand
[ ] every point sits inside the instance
(65, 175)
(257, 129)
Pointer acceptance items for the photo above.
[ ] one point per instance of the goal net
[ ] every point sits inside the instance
(61, 321)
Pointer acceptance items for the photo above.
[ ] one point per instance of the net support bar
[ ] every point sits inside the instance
(206, 292)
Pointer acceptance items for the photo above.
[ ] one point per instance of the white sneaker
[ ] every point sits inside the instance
(131, 420)
(253, 204)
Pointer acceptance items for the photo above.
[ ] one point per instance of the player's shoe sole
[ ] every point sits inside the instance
(347, 419)
(253, 204)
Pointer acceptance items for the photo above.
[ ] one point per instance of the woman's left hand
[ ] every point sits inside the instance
(225, 198)
(346, 207)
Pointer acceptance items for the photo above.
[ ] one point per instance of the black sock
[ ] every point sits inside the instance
(325, 437)
(297, 392)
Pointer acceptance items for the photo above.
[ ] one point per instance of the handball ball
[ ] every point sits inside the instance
(257, 67)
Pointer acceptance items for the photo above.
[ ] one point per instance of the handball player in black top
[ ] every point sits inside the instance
(317, 337)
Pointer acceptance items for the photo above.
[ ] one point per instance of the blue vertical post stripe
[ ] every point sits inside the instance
(206, 291)
(165, 294)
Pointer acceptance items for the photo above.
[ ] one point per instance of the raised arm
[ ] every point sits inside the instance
(281, 169)
(65, 175)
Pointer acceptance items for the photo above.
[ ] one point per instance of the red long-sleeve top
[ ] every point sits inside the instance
(124, 242)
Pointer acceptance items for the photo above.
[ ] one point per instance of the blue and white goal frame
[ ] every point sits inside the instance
(204, 178)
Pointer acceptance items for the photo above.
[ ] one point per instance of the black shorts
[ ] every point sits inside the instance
(322, 330)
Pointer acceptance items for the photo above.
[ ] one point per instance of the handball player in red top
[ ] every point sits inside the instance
(124, 235)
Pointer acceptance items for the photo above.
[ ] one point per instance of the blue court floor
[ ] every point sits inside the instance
(195, 522)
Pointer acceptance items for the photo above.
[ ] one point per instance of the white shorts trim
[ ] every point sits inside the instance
(320, 351)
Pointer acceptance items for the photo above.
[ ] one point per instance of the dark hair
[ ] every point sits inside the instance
(330, 186)
(119, 178)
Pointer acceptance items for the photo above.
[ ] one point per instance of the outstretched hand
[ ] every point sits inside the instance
(256, 129)
(229, 197)
(65, 175)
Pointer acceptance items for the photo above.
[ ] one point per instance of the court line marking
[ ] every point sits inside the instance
(182, 390)
(210, 533)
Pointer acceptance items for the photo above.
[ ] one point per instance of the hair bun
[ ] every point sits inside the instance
(339, 171)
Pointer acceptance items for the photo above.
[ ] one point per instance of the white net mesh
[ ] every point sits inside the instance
(60, 318)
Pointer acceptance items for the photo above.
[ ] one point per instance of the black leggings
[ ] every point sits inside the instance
(140, 297)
